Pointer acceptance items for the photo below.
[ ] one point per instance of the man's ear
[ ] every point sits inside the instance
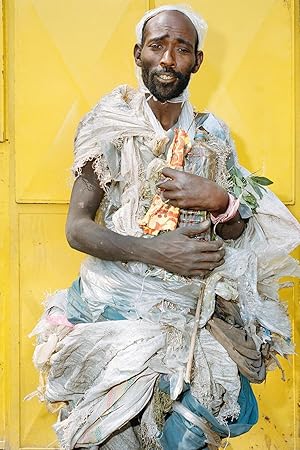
(199, 59)
(137, 54)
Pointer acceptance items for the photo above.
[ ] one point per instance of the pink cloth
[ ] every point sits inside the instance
(59, 320)
(233, 206)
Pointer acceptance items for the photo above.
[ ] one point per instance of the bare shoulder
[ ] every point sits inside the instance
(88, 178)
(86, 193)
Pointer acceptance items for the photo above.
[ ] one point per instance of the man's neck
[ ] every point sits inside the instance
(166, 113)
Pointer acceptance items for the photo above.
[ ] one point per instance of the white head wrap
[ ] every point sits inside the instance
(198, 22)
(186, 116)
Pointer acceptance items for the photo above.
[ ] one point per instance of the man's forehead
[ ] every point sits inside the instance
(170, 21)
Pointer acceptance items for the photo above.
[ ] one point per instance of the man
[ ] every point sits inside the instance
(114, 347)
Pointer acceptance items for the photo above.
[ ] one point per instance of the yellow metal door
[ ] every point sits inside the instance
(59, 58)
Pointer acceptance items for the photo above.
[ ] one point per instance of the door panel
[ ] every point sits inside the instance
(65, 60)
(46, 264)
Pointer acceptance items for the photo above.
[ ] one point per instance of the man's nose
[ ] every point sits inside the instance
(168, 59)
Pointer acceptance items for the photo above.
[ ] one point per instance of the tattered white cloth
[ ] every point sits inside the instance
(101, 373)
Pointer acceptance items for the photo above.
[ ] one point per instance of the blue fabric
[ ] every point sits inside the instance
(110, 313)
(78, 310)
(179, 433)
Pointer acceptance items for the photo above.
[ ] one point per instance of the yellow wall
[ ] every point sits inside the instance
(59, 58)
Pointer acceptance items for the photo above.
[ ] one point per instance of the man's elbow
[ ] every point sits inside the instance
(73, 235)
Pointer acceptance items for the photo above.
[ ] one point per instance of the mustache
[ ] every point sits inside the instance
(168, 72)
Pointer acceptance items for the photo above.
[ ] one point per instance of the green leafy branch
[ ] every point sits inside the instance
(241, 187)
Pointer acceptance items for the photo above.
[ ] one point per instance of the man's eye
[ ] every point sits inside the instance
(156, 46)
(183, 50)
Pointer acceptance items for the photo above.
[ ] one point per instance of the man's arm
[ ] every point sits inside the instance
(189, 191)
(175, 251)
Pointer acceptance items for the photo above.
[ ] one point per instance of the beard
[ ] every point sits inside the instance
(165, 91)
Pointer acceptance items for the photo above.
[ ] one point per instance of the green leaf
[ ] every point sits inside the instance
(237, 191)
(243, 202)
(263, 181)
(239, 182)
(239, 173)
(256, 188)
(250, 199)
(258, 191)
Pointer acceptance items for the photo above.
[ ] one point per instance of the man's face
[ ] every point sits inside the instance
(168, 54)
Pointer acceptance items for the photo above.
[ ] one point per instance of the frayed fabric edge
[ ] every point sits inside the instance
(99, 166)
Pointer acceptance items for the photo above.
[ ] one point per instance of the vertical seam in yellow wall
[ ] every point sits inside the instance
(151, 4)
(4, 81)
(2, 74)
(12, 304)
(4, 225)
(294, 336)
(293, 88)
(297, 197)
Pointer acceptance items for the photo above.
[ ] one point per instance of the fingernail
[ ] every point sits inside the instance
(159, 183)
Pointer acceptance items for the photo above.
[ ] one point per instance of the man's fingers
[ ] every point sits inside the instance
(199, 273)
(211, 257)
(206, 268)
(169, 173)
(165, 184)
(211, 265)
(172, 196)
(207, 248)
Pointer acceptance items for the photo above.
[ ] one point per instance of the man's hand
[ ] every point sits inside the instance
(175, 251)
(179, 252)
(189, 191)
